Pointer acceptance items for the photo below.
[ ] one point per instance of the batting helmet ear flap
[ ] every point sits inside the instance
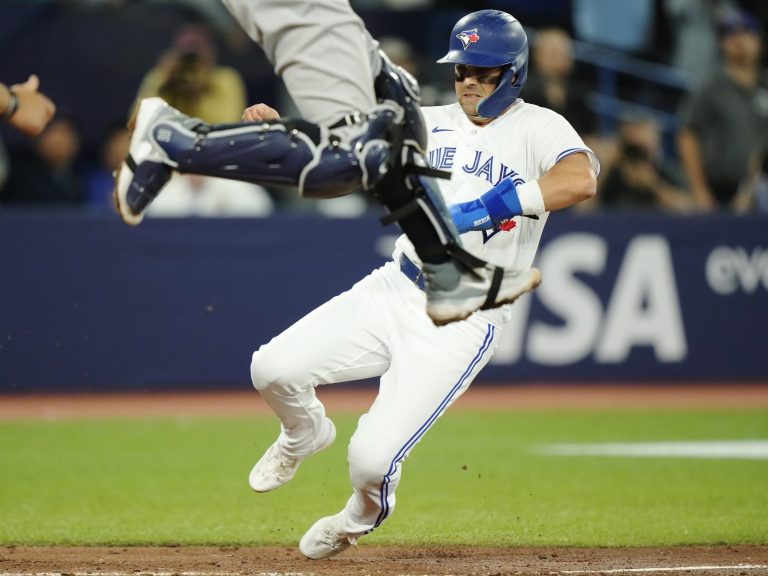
(506, 92)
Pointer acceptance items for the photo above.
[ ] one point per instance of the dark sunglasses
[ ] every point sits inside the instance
(482, 75)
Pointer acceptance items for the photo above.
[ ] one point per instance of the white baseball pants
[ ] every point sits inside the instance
(379, 328)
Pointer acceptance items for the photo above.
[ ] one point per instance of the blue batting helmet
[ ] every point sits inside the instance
(491, 38)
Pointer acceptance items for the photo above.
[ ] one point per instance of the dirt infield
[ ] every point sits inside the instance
(357, 399)
(226, 561)
(376, 560)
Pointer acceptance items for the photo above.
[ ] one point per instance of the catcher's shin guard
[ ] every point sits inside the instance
(408, 191)
(410, 195)
(283, 153)
(322, 162)
(397, 85)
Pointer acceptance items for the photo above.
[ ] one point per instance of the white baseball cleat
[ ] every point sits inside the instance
(275, 467)
(326, 538)
(147, 168)
(484, 288)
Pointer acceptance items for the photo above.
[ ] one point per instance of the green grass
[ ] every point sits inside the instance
(473, 480)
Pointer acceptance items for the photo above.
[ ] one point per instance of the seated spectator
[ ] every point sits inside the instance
(551, 82)
(725, 122)
(99, 180)
(189, 78)
(637, 179)
(46, 174)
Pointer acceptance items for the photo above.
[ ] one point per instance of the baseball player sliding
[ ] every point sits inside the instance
(365, 130)
(507, 158)
(511, 164)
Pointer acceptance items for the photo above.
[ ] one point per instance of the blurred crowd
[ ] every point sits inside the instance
(671, 94)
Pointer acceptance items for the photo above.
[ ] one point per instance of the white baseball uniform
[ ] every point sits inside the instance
(379, 328)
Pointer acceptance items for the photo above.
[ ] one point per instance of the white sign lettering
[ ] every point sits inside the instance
(729, 270)
(643, 308)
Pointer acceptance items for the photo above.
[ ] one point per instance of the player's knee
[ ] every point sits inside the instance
(367, 464)
(264, 372)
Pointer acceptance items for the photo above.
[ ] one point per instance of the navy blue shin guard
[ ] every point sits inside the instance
(409, 192)
(397, 85)
(282, 153)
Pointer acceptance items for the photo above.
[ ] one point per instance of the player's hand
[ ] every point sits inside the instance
(34, 110)
(260, 113)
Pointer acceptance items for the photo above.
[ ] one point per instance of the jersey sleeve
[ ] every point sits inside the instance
(555, 138)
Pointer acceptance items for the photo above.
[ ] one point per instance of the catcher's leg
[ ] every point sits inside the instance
(457, 283)
(321, 162)
(319, 48)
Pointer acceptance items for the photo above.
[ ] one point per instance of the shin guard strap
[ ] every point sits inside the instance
(400, 213)
(413, 205)
(493, 290)
(427, 171)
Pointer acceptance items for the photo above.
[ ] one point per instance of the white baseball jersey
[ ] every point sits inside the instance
(522, 144)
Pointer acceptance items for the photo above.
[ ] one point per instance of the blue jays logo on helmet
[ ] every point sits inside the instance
(504, 44)
(468, 37)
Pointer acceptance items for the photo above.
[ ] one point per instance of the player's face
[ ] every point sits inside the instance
(473, 83)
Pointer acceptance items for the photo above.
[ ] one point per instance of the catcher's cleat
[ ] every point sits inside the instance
(481, 289)
(147, 168)
(326, 538)
(276, 468)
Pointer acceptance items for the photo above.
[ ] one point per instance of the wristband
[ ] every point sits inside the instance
(497, 207)
(13, 105)
(502, 202)
(531, 200)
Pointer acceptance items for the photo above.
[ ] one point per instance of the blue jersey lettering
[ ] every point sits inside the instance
(442, 158)
(471, 169)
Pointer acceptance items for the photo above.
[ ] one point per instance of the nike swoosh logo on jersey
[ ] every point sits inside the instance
(435, 130)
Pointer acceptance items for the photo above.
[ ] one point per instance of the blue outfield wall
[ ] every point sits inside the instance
(88, 304)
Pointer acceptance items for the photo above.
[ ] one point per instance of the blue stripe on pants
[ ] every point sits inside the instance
(424, 427)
